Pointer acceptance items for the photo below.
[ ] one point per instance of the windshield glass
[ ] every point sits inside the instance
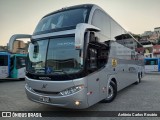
(62, 57)
(62, 19)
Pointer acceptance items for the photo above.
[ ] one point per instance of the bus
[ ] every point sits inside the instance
(4, 65)
(79, 56)
(18, 66)
(152, 64)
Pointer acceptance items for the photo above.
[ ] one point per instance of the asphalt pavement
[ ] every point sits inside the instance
(142, 97)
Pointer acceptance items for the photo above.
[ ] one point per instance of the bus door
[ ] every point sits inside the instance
(97, 57)
(93, 73)
(4, 66)
(93, 77)
(20, 66)
(17, 66)
(12, 67)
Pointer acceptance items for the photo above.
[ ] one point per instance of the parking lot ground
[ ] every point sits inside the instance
(142, 97)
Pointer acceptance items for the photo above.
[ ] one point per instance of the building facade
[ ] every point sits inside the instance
(156, 51)
(20, 47)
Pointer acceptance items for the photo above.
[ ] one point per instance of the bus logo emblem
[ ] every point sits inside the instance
(44, 86)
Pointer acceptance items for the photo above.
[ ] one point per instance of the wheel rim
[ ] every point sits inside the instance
(110, 92)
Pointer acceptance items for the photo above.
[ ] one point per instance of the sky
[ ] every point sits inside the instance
(22, 16)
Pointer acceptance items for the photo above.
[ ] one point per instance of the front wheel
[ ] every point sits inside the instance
(112, 92)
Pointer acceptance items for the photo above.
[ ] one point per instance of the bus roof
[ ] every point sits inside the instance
(71, 7)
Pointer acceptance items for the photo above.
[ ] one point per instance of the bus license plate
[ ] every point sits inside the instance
(45, 99)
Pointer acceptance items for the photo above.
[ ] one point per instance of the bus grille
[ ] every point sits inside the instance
(46, 92)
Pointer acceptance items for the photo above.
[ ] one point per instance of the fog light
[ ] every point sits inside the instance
(77, 103)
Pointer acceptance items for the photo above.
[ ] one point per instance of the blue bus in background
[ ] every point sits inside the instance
(152, 64)
(4, 65)
(18, 66)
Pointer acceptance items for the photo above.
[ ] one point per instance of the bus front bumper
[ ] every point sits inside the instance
(77, 100)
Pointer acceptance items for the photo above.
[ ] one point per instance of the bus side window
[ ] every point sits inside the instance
(102, 57)
(92, 59)
(3, 60)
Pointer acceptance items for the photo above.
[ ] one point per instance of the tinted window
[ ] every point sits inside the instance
(20, 62)
(62, 19)
(151, 62)
(3, 60)
(63, 57)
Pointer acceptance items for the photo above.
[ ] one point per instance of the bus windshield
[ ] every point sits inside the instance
(62, 19)
(54, 56)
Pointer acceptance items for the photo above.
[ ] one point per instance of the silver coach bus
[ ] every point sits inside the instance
(79, 56)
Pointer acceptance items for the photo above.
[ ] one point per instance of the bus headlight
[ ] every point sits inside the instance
(28, 87)
(72, 90)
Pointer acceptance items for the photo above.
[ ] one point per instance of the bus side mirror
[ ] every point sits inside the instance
(81, 28)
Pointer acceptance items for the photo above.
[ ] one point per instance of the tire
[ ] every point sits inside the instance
(141, 75)
(139, 79)
(112, 89)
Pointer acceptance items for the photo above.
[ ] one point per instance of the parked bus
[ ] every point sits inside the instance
(152, 64)
(4, 65)
(79, 56)
(18, 66)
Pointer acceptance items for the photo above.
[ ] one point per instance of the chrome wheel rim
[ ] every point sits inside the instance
(110, 92)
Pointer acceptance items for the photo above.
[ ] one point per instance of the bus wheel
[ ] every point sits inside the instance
(139, 79)
(112, 92)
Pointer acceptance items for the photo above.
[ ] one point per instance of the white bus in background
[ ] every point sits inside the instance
(18, 66)
(77, 57)
(4, 65)
(152, 64)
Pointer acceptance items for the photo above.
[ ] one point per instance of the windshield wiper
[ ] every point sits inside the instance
(64, 73)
